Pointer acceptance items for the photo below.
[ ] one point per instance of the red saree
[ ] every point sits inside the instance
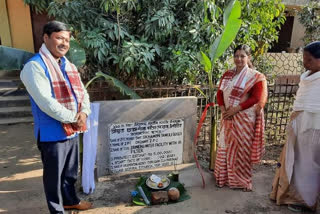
(241, 141)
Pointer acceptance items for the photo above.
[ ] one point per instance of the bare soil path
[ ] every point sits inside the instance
(21, 188)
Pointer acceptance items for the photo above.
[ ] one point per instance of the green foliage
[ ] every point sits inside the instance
(206, 62)
(161, 39)
(38, 6)
(309, 16)
(116, 83)
(265, 66)
(183, 66)
(261, 21)
(232, 24)
(138, 200)
(14, 59)
(137, 56)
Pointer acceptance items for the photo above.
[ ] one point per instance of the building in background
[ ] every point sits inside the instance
(292, 31)
(16, 25)
(21, 27)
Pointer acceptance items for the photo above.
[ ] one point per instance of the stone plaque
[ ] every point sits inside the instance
(147, 144)
(128, 133)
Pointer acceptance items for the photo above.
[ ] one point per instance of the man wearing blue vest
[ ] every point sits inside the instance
(60, 106)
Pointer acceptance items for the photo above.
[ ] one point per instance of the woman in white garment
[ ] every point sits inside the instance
(297, 179)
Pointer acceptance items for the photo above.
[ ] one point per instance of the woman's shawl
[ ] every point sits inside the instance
(244, 82)
(307, 98)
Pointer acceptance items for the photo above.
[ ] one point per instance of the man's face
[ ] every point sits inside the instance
(58, 43)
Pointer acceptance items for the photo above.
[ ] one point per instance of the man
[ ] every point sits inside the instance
(60, 106)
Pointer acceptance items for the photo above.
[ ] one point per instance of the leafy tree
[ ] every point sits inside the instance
(261, 21)
(14, 59)
(232, 24)
(39, 6)
(309, 16)
(160, 40)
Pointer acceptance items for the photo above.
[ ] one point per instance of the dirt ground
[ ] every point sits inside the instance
(21, 188)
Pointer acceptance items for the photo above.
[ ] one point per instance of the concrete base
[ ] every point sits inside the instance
(189, 175)
(129, 111)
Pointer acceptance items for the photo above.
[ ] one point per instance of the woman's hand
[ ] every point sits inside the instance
(258, 109)
(227, 115)
(222, 110)
(294, 114)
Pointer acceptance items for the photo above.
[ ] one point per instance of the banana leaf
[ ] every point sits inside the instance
(12, 58)
(205, 61)
(116, 83)
(232, 23)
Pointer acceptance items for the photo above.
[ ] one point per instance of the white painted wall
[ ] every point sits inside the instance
(297, 33)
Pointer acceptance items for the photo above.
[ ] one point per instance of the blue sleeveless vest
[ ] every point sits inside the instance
(46, 129)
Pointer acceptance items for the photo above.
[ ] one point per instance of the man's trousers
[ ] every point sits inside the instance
(60, 171)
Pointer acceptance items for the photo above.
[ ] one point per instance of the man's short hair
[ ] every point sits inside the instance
(54, 26)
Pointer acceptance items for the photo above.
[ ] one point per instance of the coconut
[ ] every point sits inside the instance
(173, 194)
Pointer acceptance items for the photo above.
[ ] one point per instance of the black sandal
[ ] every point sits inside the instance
(295, 208)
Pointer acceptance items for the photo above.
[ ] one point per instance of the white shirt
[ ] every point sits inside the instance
(38, 86)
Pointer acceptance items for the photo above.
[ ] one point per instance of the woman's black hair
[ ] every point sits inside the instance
(314, 49)
(54, 26)
(247, 50)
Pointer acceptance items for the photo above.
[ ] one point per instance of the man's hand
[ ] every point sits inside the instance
(227, 115)
(81, 119)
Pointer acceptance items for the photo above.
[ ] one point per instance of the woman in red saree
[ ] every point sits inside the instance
(241, 97)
